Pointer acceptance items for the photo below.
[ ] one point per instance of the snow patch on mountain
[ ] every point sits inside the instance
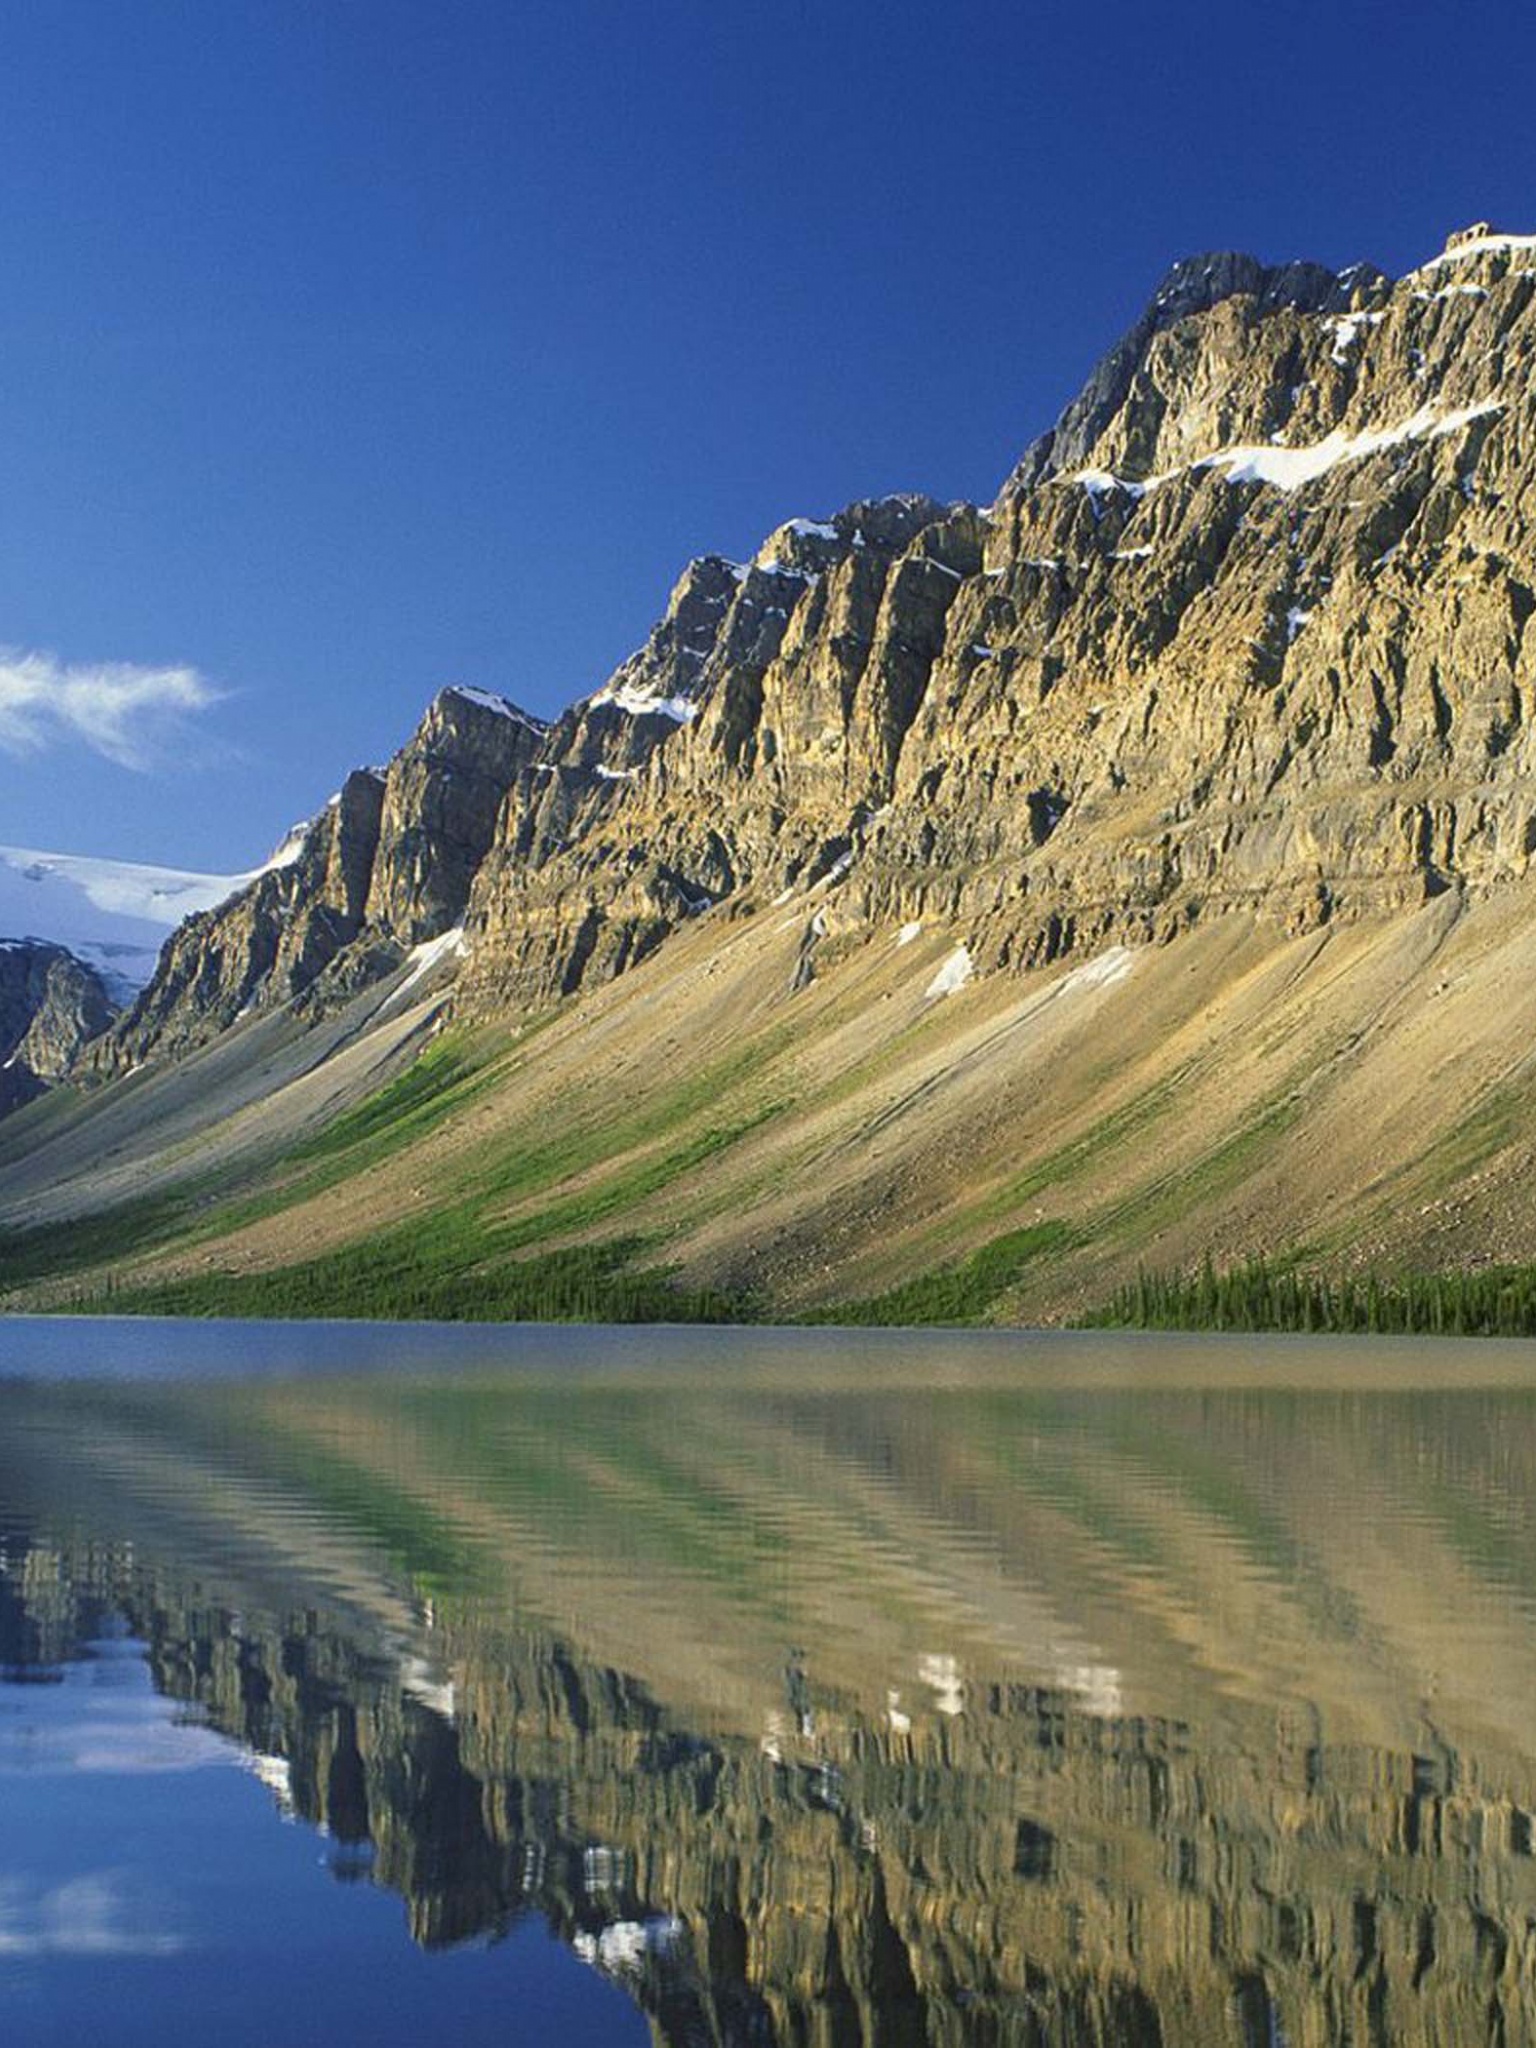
(642, 703)
(421, 960)
(956, 971)
(1477, 245)
(1287, 469)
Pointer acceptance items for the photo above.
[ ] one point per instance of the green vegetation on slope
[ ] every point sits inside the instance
(441, 1080)
(56, 1249)
(454, 1260)
(964, 1293)
(444, 1077)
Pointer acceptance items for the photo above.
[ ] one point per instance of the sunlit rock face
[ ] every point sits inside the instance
(776, 750)
(385, 868)
(1247, 629)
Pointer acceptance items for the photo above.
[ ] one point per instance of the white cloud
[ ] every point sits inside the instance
(129, 713)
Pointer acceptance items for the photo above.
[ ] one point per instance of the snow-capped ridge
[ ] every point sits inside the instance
(1289, 468)
(1481, 240)
(113, 914)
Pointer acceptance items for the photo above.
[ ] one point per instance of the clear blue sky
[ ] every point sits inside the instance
(351, 347)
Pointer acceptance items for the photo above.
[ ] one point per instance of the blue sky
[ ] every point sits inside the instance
(352, 347)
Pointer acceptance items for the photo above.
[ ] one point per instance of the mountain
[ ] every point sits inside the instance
(80, 936)
(1218, 713)
(385, 867)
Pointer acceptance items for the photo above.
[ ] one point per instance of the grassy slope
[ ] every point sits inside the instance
(696, 1142)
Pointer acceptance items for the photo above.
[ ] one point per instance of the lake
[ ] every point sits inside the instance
(563, 1686)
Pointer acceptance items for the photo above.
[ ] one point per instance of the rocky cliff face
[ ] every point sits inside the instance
(52, 1006)
(1246, 629)
(759, 754)
(385, 867)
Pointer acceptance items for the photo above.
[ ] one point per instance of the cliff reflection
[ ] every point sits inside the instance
(978, 1719)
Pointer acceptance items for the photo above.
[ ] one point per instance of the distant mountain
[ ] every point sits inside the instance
(79, 938)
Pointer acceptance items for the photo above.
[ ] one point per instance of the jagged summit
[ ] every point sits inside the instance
(1196, 283)
(1480, 240)
(1231, 355)
(1194, 286)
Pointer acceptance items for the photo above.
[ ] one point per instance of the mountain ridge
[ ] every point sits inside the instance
(671, 683)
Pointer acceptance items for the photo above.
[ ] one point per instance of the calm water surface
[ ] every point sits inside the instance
(419, 1685)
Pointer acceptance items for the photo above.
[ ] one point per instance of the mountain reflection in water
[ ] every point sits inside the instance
(1056, 1713)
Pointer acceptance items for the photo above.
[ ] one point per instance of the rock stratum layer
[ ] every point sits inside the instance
(1240, 646)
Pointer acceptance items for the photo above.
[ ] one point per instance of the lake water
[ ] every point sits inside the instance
(412, 1685)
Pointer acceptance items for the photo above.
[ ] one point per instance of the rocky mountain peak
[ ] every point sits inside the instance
(812, 546)
(385, 866)
(1224, 294)
(1479, 251)
(1196, 283)
(459, 705)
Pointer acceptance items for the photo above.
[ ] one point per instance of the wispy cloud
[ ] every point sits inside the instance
(133, 715)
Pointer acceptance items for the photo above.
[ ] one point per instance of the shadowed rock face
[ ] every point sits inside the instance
(1246, 630)
(51, 1006)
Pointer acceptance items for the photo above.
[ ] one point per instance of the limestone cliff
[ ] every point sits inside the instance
(1245, 630)
(386, 866)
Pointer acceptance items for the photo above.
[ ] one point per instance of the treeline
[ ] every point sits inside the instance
(1493, 1301)
(394, 1280)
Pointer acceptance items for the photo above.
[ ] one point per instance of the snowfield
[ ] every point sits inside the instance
(114, 914)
